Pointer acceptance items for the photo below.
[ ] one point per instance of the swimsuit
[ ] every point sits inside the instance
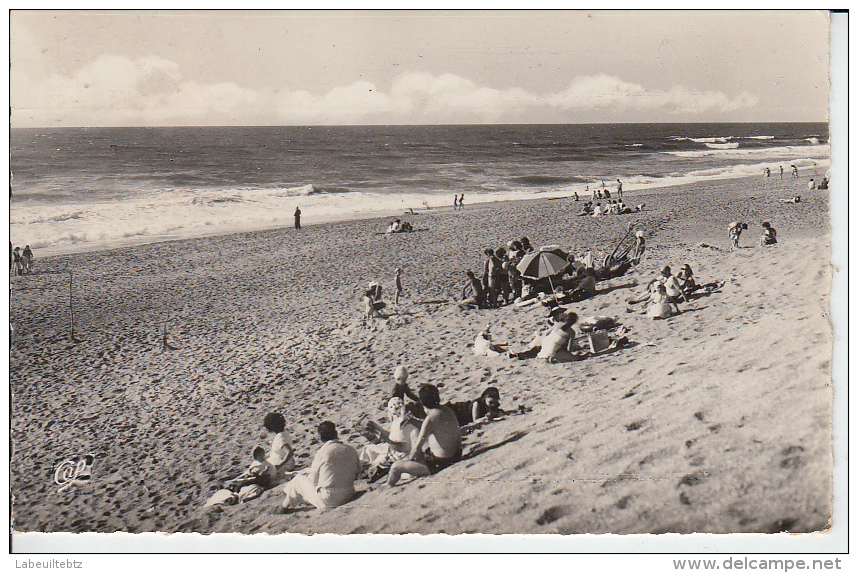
(436, 464)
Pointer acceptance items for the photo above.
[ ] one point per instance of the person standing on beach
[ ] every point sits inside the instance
(455, 202)
(397, 284)
(794, 171)
(297, 217)
(330, 482)
(768, 172)
(619, 189)
(781, 167)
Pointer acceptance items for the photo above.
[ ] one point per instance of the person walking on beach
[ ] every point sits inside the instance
(397, 284)
(27, 260)
(794, 171)
(735, 232)
(455, 202)
(462, 201)
(781, 167)
(439, 431)
(619, 189)
(297, 217)
(330, 482)
(17, 263)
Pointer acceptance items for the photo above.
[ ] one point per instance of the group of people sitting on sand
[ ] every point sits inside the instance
(399, 226)
(612, 207)
(422, 437)
(662, 295)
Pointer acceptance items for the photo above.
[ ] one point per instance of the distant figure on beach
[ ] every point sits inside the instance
(17, 262)
(462, 201)
(796, 199)
(503, 284)
(330, 481)
(575, 195)
(794, 171)
(769, 236)
(397, 284)
(297, 217)
(473, 294)
(455, 202)
(671, 284)
(27, 260)
(811, 185)
(735, 231)
(768, 172)
(619, 189)
(781, 167)
(597, 210)
(440, 432)
(555, 341)
(514, 257)
(281, 455)
(525, 245)
(598, 194)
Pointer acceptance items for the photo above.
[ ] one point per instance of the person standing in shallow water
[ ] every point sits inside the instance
(297, 217)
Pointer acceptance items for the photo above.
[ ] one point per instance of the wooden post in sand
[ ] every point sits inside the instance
(71, 306)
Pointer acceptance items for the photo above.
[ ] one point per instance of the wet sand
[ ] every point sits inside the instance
(716, 420)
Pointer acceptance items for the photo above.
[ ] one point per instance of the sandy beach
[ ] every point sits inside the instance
(715, 420)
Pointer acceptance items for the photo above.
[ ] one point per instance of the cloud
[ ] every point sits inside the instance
(115, 90)
(605, 92)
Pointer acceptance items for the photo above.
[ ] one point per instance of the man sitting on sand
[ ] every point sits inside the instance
(473, 295)
(440, 432)
(330, 482)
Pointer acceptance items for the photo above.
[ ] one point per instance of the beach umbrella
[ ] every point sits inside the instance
(545, 263)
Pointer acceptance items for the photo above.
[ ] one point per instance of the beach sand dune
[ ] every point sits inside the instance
(716, 420)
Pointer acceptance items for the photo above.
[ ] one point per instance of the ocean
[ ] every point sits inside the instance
(75, 189)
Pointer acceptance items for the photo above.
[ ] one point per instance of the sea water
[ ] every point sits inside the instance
(78, 188)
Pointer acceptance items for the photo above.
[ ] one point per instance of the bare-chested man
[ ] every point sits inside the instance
(440, 432)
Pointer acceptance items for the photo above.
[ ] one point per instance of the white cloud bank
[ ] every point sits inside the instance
(117, 91)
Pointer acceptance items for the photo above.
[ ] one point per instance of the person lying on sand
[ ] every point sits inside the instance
(689, 285)
(439, 432)
(796, 199)
(473, 294)
(483, 344)
(402, 391)
(330, 481)
(281, 455)
(487, 406)
(393, 444)
(769, 236)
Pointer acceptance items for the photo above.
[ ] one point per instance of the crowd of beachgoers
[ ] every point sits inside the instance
(424, 435)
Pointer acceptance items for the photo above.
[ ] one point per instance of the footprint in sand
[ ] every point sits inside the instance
(552, 514)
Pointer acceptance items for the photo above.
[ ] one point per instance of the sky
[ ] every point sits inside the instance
(152, 68)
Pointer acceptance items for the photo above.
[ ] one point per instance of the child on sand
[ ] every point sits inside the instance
(735, 232)
(258, 477)
(401, 390)
(660, 305)
(769, 236)
(397, 284)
